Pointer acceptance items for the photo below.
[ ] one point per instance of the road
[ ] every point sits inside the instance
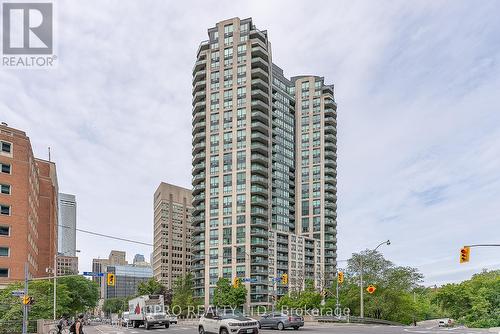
(308, 329)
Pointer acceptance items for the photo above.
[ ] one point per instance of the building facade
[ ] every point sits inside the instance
(67, 265)
(264, 168)
(28, 208)
(172, 233)
(100, 266)
(127, 279)
(67, 225)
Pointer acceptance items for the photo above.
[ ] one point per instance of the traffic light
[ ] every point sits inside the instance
(111, 279)
(340, 277)
(236, 282)
(284, 279)
(27, 300)
(464, 254)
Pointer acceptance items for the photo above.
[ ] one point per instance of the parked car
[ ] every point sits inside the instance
(226, 323)
(126, 319)
(281, 321)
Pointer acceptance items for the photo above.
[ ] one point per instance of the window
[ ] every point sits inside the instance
(4, 272)
(228, 30)
(240, 182)
(227, 162)
(5, 147)
(5, 168)
(214, 164)
(240, 220)
(227, 182)
(305, 208)
(240, 203)
(242, 49)
(5, 210)
(240, 160)
(214, 185)
(5, 189)
(4, 251)
(316, 207)
(4, 231)
(227, 205)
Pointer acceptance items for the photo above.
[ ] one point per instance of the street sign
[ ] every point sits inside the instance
(17, 293)
(89, 273)
(371, 289)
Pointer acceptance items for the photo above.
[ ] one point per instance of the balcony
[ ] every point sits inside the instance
(259, 222)
(199, 147)
(330, 129)
(258, 105)
(256, 179)
(258, 73)
(198, 127)
(260, 84)
(199, 76)
(198, 188)
(198, 168)
(260, 158)
(259, 190)
(259, 51)
(199, 116)
(198, 96)
(260, 95)
(198, 178)
(260, 116)
(257, 211)
(199, 65)
(198, 199)
(199, 157)
(258, 169)
(199, 208)
(259, 232)
(262, 127)
(259, 201)
(199, 106)
(330, 120)
(330, 103)
(330, 139)
(259, 137)
(258, 62)
(199, 86)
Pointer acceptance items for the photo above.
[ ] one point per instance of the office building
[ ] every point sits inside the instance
(100, 266)
(127, 279)
(172, 233)
(264, 168)
(67, 225)
(28, 208)
(67, 265)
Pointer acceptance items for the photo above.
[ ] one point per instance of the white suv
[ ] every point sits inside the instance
(227, 323)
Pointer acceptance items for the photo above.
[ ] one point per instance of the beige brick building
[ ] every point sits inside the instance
(172, 233)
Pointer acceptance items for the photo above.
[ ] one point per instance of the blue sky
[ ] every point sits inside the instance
(417, 87)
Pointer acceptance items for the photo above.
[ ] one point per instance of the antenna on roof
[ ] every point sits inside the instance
(49, 153)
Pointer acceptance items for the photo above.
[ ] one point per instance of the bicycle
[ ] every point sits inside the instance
(65, 330)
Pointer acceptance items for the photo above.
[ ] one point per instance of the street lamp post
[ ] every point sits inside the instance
(361, 292)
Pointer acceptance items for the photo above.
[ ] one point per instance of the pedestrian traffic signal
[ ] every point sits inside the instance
(340, 277)
(236, 282)
(464, 254)
(284, 279)
(111, 279)
(27, 300)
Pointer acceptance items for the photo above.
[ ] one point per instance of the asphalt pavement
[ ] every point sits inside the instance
(312, 328)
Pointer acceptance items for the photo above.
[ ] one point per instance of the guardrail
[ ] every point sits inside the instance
(16, 326)
(359, 320)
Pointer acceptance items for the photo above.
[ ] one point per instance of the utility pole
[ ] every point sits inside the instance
(362, 306)
(25, 306)
(54, 272)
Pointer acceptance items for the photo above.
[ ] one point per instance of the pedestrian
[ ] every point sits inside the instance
(77, 326)
(63, 322)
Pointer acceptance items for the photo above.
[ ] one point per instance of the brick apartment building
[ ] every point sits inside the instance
(28, 208)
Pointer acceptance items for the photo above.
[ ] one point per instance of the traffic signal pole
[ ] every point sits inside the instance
(55, 284)
(25, 306)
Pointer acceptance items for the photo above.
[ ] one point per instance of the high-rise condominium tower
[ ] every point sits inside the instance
(264, 168)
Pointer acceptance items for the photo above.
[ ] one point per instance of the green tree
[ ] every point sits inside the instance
(226, 295)
(475, 302)
(183, 294)
(150, 287)
(115, 305)
(84, 293)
